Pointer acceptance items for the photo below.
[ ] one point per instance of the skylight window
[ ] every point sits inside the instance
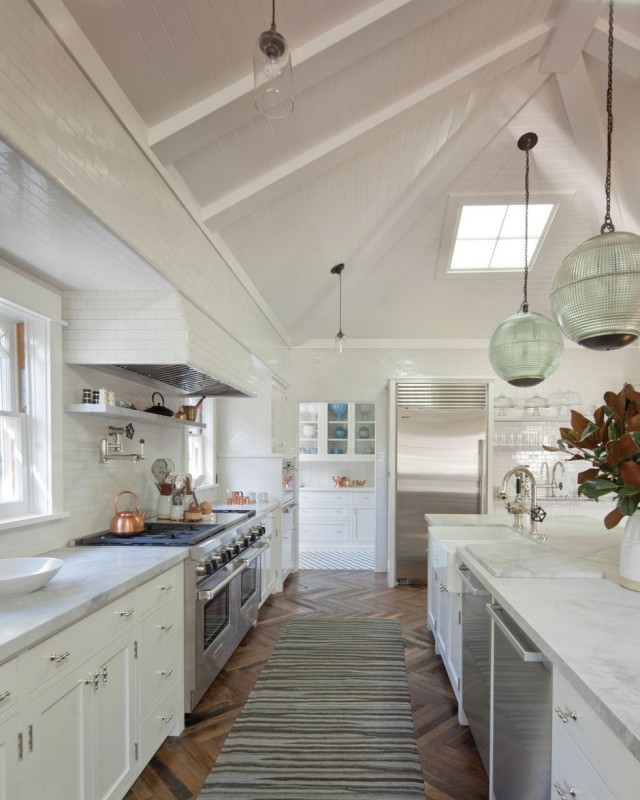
(491, 237)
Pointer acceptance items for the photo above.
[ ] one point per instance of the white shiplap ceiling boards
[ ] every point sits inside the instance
(399, 103)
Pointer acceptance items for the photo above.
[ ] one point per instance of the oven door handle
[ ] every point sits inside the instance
(256, 553)
(209, 594)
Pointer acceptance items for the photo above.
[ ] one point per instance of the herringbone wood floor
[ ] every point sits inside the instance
(450, 762)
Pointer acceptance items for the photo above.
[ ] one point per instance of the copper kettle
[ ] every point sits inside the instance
(126, 523)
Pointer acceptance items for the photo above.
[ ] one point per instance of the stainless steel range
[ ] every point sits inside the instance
(222, 585)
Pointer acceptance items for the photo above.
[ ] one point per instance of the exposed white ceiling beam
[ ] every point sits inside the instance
(626, 47)
(575, 22)
(463, 147)
(587, 120)
(396, 116)
(367, 32)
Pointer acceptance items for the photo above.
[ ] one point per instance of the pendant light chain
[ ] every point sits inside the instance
(525, 304)
(340, 306)
(273, 15)
(608, 226)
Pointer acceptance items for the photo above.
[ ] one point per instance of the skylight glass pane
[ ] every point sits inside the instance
(481, 222)
(472, 254)
(509, 253)
(514, 220)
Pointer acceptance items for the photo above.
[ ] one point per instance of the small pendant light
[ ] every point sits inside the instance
(272, 73)
(527, 347)
(337, 270)
(595, 294)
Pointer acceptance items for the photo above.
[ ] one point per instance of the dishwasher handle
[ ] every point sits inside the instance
(494, 611)
(465, 576)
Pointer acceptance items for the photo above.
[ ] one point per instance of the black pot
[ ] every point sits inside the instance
(159, 408)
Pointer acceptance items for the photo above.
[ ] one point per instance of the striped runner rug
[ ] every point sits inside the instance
(328, 719)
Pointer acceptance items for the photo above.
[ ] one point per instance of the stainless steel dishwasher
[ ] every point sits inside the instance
(522, 709)
(476, 662)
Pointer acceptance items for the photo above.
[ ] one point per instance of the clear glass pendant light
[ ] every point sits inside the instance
(340, 337)
(595, 294)
(273, 77)
(527, 347)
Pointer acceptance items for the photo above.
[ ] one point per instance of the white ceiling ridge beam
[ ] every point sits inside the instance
(449, 162)
(203, 122)
(626, 49)
(587, 121)
(575, 23)
(317, 160)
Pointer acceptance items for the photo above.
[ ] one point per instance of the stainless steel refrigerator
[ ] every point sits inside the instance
(441, 433)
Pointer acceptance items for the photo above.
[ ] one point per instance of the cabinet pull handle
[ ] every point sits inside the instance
(20, 747)
(166, 674)
(4, 695)
(30, 738)
(166, 588)
(127, 613)
(59, 657)
(166, 717)
(94, 679)
(103, 672)
(443, 589)
(566, 715)
(166, 627)
(564, 793)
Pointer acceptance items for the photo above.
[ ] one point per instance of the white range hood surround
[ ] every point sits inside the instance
(158, 338)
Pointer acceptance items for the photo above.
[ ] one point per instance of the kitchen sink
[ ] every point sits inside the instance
(445, 539)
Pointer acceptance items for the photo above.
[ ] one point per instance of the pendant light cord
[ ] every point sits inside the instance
(273, 15)
(608, 226)
(525, 304)
(340, 305)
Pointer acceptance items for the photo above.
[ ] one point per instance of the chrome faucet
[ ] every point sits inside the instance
(110, 450)
(557, 484)
(522, 473)
(550, 484)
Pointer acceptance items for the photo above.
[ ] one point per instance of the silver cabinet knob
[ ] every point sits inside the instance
(564, 793)
(127, 613)
(58, 657)
(166, 717)
(565, 716)
(4, 695)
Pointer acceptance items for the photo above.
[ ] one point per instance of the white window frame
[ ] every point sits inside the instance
(206, 438)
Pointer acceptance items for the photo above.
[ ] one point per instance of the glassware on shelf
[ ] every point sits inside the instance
(535, 403)
(364, 410)
(339, 410)
(502, 402)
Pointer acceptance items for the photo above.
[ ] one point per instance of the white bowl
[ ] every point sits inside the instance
(23, 575)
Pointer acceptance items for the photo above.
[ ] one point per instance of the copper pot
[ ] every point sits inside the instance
(127, 523)
(190, 412)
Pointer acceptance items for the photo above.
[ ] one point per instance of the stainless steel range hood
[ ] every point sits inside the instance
(159, 339)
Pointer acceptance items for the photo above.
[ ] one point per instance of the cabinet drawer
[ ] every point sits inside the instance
(366, 499)
(68, 648)
(324, 498)
(572, 771)
(160, 722)
(615, 765)
(324, 533)
(161, 627)
(322, 513)
(8, 685)
(167, 586)
(155, 679)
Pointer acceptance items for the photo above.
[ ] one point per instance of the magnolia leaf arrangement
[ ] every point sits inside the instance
(611, 442)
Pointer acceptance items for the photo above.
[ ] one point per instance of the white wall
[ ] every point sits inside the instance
(362, 376)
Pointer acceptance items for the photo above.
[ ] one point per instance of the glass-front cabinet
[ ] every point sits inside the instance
(336, 430)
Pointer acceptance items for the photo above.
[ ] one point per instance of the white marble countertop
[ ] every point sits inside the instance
(90, 578)
(588, 628)
(260, 508)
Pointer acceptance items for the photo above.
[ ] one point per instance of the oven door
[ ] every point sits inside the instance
(251, 586)
(217, 619)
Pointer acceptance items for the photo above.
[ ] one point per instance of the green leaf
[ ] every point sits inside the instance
(628, 505)
(588, 431)
(629, 491)
(636, 437)
(597, 488)
(613, 431)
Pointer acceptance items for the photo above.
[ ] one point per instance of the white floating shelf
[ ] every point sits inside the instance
(117, 412)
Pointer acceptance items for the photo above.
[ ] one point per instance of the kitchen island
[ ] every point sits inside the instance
(585, 626)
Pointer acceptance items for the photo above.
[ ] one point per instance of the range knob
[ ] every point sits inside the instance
(223, 556)
(202, 569)
(247, 541)
(230, 551)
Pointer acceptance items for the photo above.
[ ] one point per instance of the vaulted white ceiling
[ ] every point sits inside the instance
(399, 104)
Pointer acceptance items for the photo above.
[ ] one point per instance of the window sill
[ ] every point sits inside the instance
(31, 519)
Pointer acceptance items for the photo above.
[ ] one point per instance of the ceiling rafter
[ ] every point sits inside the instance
(336, 149)
(204, 122)
(463, 147)
(626, 47)
(576, 19)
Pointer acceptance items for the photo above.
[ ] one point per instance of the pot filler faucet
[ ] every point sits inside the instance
(525, 483)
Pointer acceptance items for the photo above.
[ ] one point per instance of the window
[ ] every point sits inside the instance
(201, 444)
(491, 237)
(24, 397)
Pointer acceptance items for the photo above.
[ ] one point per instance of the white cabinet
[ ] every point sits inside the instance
(77, 731)
(336, 520)
(270, 559)
(337, 431)
(279, 438)
(586, 756)
(289, 541)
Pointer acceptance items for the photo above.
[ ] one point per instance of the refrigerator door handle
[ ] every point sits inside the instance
(482, 445)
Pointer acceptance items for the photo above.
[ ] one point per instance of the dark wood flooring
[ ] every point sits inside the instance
(450, 762)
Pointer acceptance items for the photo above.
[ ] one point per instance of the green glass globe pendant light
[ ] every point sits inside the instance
(527, 347)
(595, 294)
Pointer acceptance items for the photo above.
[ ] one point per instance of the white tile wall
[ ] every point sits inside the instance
(363, 375)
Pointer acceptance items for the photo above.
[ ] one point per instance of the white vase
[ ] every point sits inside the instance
(630, 554)
(163, 510)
